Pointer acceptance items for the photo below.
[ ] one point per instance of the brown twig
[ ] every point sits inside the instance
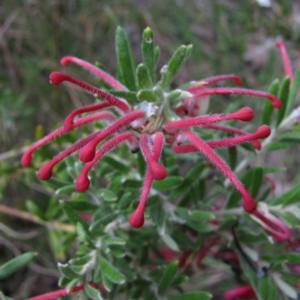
(32, 218)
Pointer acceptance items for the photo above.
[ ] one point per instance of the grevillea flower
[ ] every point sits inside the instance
(286, 60)
(149, 126)
(274, 225)
(242, 292)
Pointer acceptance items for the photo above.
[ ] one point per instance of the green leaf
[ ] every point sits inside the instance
(167, 278)
(170, 242)
(125, 200)
(293, 258)
(3, 297)
(147, 95)
(107, 195)
(156, 54)
(148, 52)
(277, 145)
(117, 251)
(286, 288)
(193, 296)
(92, 292)
(101, 221)
(290, 135)
(143, 77)
(233, 157)
(269, 170)
(283, 96)
(127, 95)
(107, 283)
(125, 60)
(290, 197)
(168, 183)
(132, 183)
(268, 107)
(141, 164)
(82, 234)
(113, 240)
(110, 271)
(73, 214)
(267, 288)
(33, 208)
(293, 92)
(67, 271)
(68, 189)
(170, 70)
(195, 215)
(16, 263)
(256, 180)
(116, 164)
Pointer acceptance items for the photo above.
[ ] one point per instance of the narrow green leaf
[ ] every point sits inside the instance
(147, 95)
(72, 214)
(156, 54)
(293, 92)
(233, 157)
(289, 136)
(82, 234)
(107, 195)
(167, 278)
(293, 258)
(16, 263)
(195, 215)
(141, 164)
(148, 52)
(170, 70)
(283, 96)
(67, 271)
(277, 145)
(287, 289)
(72, 284)
(113, 240)
(107, 283)
(110, 271)
(125, 200)
(168, 183)
(143, 77)
(33, 208)
(132, 183)
(170, 242)
(117, 251)
(256, 180)
(102, 221)
(130, 97)
(269, 170)
(97, 276)
(68, 189)
(3, 297)
(116, 164)
(268, 107)
(80, 261)
(193, 296)
(290, 197)
(267, 289)
(92, 292)
(125, 60)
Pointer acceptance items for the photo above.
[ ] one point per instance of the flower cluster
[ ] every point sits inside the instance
(149, 125)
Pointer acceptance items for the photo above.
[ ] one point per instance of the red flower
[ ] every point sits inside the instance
(243, 293)
(148, 127)
(286, 60)
(274, 225)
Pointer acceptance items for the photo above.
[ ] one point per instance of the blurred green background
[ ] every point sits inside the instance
(229, 36)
